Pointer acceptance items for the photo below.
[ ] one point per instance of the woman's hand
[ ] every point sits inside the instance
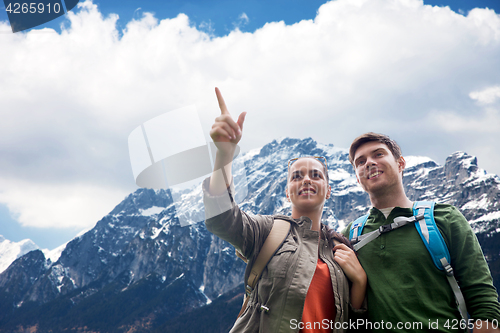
(226, 134)
(349, 263)
(225, 129)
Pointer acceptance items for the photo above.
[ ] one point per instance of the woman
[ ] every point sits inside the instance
(304, 286)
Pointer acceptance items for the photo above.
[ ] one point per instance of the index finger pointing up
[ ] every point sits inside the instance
(222, 104)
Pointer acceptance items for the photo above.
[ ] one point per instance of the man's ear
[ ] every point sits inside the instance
(286, 193)
(401, 164)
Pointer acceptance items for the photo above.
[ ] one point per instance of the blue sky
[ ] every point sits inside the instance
(224, 15)
(69, 100)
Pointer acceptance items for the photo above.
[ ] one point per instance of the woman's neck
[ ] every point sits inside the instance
(314, 216)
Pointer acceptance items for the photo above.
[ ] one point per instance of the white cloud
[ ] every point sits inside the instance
(58, 205)
(208, 27)
(241, 21)
(487, 120)
(244, 18)
(69, 101)
(486, 96)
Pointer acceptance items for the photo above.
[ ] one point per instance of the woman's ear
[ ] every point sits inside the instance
(328, 192)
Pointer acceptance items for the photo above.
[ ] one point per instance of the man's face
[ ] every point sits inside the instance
(376, 169)
(307, 185)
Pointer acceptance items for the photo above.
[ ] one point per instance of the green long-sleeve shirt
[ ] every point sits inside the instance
(405, 287)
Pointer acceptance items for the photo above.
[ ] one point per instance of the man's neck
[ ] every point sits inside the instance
(388, 199)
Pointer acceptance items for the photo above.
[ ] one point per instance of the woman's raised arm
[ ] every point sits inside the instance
(226, 133)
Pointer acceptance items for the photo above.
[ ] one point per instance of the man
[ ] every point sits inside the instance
(406, 292)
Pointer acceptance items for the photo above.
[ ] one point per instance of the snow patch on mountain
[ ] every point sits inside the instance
(483, 178)
(202, 290)
(57, 275)
(412, 161)
(151, 211)
(53, 256)
(488, 217)
(10, 251)
(483, 202)
(156, 231)
(339, 175)
(251, 153)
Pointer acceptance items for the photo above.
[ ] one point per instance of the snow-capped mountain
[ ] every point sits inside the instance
(139, 268)
(10, 251)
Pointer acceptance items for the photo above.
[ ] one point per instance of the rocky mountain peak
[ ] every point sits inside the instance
(460, 166)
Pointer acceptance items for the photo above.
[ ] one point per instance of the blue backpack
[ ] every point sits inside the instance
(423, 217)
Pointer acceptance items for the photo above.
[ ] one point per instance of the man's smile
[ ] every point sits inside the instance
(374, 174)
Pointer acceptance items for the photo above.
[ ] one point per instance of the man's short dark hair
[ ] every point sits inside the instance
(369, 137)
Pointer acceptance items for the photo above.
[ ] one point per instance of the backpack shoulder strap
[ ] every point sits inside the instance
(361, 240)
(357, 228)
(435, 244)
(273, 242)
(430, 234)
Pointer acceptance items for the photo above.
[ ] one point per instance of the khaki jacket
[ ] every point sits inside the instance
(277, 303)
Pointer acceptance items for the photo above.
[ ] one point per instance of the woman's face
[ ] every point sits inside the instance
(307, 187)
